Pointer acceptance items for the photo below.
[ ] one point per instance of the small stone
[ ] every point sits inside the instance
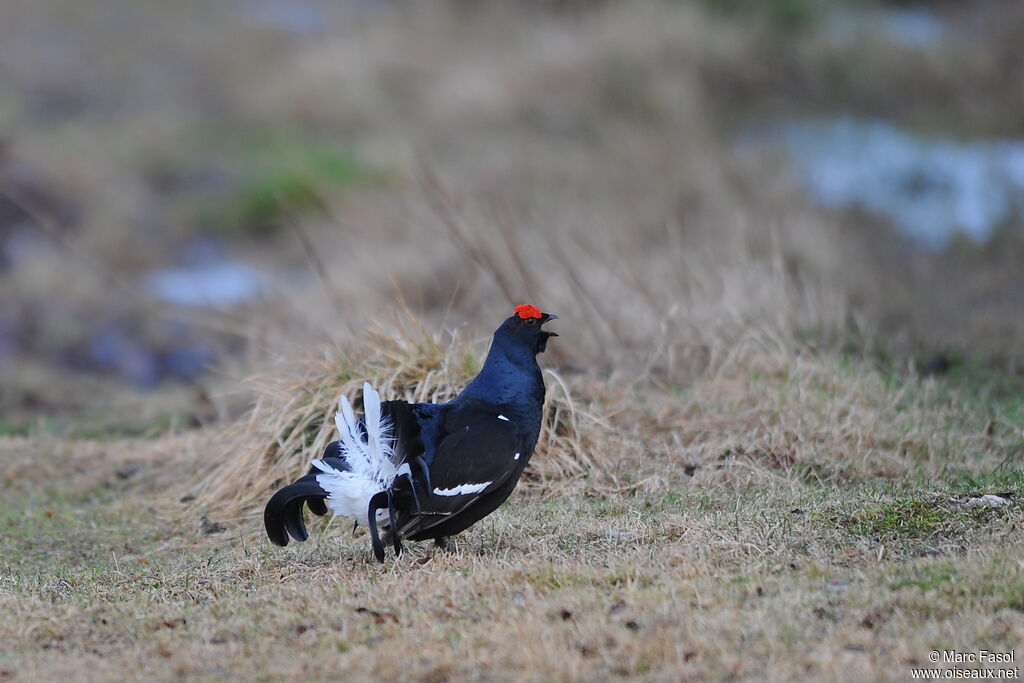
(838, 584)
(128, 471)
(208, 527)
(989, 500)
(617, 607)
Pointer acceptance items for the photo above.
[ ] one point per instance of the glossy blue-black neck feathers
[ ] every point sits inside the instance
(510, 375)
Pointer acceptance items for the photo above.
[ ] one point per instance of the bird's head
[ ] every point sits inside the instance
(523, 329)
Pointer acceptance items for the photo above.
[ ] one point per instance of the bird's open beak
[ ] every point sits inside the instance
(542, 337)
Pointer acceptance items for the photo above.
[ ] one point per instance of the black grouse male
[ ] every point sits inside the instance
(425, 470)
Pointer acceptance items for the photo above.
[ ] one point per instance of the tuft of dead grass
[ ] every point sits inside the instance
(292, 420)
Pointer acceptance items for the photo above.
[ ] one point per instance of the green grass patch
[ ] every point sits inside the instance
(910, 515)
(926, 579)
(786, 14)
(1002, 481)
(903, 516)
(284, 174)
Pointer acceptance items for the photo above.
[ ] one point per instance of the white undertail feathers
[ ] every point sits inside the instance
(373, 462)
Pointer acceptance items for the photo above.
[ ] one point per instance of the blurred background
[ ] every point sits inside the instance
(192, 192)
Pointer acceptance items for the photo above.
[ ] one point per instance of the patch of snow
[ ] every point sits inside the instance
(930, 189)
(910, 27)
(215, 285)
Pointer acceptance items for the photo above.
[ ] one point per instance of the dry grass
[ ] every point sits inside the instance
(742, 473)
(293, 418)
(748, 532)
(765, 578)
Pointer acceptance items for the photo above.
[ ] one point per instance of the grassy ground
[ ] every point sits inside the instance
(769, 428)
(778, 579)
(771, 540)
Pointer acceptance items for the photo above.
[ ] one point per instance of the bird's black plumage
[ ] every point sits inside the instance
(453, 463)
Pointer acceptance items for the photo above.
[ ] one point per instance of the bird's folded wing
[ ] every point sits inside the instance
(476, 455)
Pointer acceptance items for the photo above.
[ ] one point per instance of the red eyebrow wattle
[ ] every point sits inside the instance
(525, 311)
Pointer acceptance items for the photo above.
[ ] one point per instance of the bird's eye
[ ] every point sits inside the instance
(531, 321)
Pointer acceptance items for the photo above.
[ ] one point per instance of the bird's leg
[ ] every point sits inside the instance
(412, 487)
(419, 462)
(441, 543)
(393, 522)
(377, 502)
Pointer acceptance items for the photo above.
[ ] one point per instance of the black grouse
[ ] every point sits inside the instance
(422, 471)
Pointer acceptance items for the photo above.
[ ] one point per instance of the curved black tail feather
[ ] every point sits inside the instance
(283, 514)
